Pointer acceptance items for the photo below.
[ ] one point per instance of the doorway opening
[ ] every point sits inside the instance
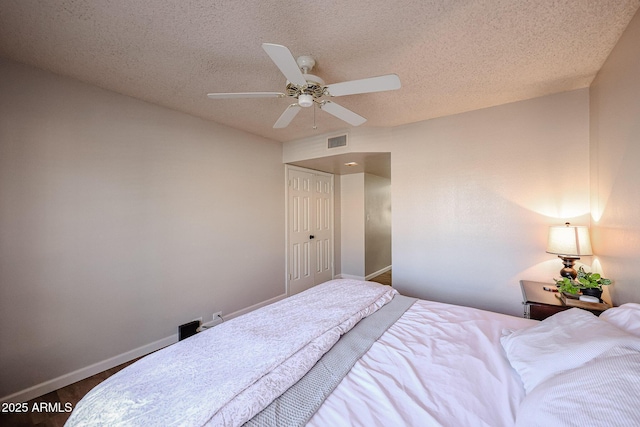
(362, 213)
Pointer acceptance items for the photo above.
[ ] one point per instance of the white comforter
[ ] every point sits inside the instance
(439, 364)
(227, 374)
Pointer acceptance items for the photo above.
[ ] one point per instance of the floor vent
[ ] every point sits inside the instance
(337, 141)
(188, 329)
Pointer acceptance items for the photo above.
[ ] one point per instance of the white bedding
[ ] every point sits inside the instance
(439, 364)
(564, 341)
(605, 391)
(578, 369)
(226, 375)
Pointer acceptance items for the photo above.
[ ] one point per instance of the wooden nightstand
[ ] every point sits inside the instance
(540, 304)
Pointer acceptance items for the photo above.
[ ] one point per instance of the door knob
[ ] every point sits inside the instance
(312, 237)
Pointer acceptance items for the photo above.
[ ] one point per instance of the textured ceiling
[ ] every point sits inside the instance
(451, 56)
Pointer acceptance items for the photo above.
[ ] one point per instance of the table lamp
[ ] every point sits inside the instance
(569, 242)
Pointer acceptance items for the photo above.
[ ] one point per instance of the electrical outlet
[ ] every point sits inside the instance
(216, 319)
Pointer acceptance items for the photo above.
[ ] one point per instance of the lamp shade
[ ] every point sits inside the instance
(569, 240)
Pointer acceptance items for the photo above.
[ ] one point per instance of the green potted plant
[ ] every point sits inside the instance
(586, 282)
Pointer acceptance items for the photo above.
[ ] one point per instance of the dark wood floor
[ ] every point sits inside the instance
(74, 392)
(50, 408)
(384, 278)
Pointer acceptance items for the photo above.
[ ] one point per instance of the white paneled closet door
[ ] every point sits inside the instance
(310, 228)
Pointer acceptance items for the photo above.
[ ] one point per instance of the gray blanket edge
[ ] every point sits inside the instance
(296, 406)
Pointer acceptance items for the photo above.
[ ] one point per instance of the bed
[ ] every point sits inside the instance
(354, 353)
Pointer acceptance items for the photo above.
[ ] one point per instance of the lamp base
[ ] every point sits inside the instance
(568, 271)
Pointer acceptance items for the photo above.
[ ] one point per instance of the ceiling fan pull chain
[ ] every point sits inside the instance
(314, 117)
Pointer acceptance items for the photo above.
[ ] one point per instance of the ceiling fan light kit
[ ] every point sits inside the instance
(308, 89)
(305, 100)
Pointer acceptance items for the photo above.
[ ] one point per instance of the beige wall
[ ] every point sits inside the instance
(114, 212)
(615, 165)
(360, 140)
(473, 196)
(474, 193)
(352, 225)
(120, 220)
(365, 224)
(377, 220)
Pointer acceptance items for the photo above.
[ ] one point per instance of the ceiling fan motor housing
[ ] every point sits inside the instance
(306, 63)
(314, 87)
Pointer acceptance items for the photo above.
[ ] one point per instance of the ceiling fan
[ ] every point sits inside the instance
(308, 89)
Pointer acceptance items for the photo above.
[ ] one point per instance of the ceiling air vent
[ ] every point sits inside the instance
(337, 141)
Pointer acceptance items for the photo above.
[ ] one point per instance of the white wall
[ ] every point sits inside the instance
(473, 196)
(615, 165)
(474, 193)
(120, 220)
(364, 221)
(377, 230)
(360, 140)
(337, 227)
(352, 225)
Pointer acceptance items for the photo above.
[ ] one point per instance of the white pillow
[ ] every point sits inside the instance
(563, 341)
(626, 317)
(603, 392)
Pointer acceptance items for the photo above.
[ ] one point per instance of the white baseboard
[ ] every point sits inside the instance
(82, 373)
(377, 273)
(254, 307)
(369, 276)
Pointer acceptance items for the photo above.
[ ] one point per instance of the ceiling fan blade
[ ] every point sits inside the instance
(371, 84)
(343, 113)
(285, 61)
(286, 117)
(245, 95)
